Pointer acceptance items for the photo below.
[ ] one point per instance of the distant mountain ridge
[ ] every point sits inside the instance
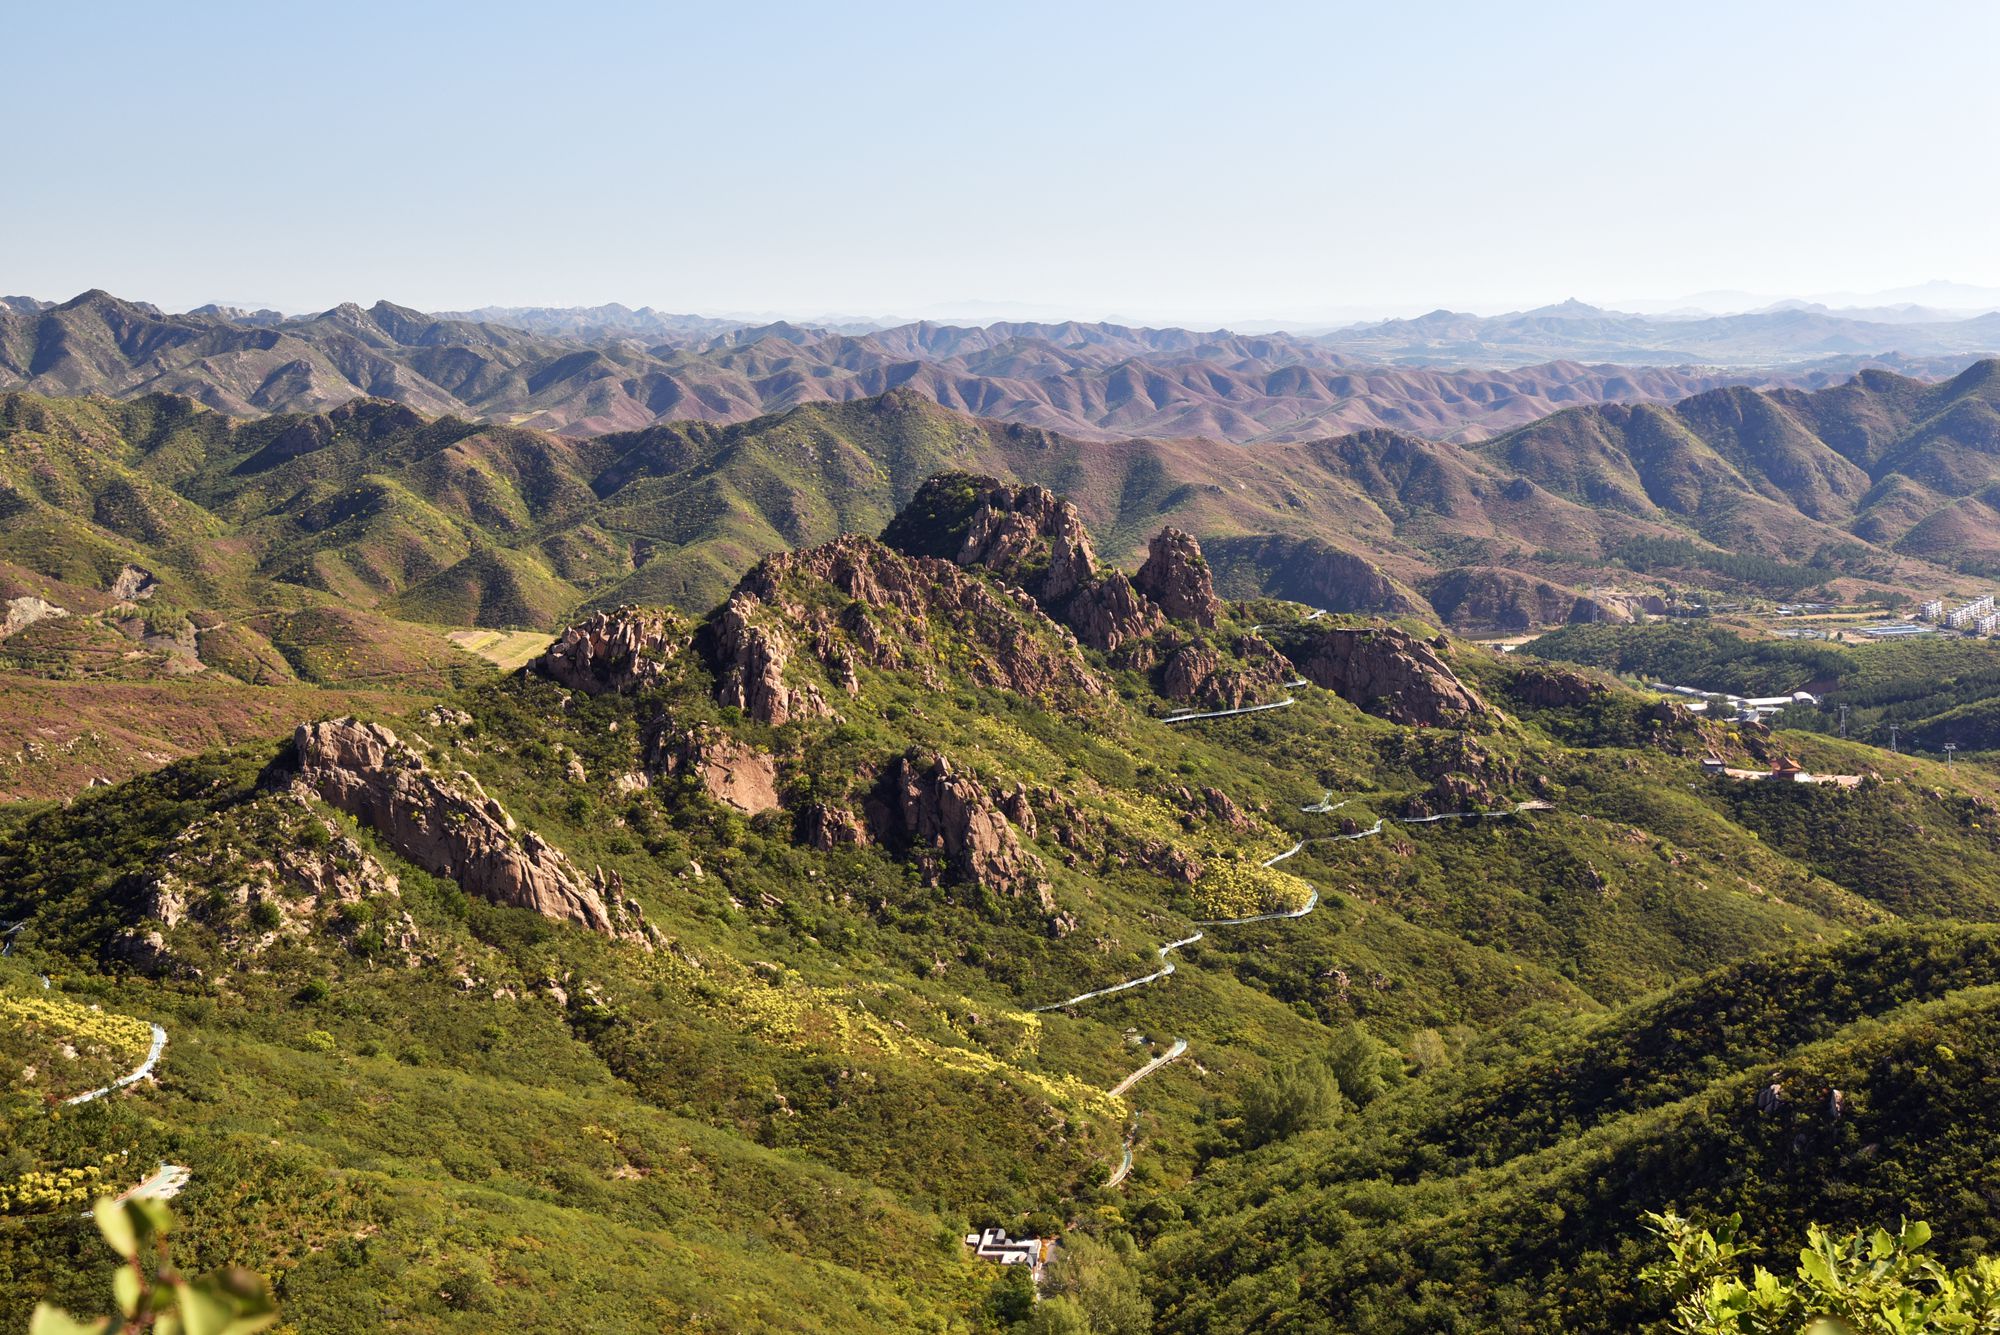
(1882, 485)
(591, 371)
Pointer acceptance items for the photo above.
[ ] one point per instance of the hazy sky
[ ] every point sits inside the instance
(1186, 162)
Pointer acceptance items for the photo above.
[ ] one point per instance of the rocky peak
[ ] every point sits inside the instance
(446, 826)
(1177, 578)
(1031, 537)
(626, 649)
(900, 613)
(1386, 671)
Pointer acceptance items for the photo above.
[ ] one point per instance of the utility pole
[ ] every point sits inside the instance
(1949, 747)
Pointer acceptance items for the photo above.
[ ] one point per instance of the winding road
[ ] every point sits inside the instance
(143, 1070)
(1117, 1091)
(1325, 805)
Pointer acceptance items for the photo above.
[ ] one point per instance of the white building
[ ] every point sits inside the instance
(995, 1245)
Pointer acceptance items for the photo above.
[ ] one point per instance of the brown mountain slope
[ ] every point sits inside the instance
(1086, 380)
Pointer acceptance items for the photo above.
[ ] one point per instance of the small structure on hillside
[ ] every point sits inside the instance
(995, 1245)
(1783, 770)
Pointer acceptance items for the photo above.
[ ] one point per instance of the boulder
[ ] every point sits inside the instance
(447, 827)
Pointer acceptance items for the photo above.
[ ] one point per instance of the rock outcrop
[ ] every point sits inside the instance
(446, 826)
(1554, 688)
(825, 827)
(1033, 539)
(918, 615)
(750, 660)
(1388, 672)
(1177, 578)
(733, 772)
(25, 611)
(939, 811)
(1494, 598)
(627, 649)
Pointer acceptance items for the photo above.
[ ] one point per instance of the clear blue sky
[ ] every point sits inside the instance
(1186, 162)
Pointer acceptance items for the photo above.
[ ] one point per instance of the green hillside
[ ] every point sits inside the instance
(726, 972)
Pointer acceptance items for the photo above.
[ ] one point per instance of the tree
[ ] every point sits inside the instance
(151, 1295)
(1865, 1283)
(1103, 1282)
(1356, 1059)
(1058, 1316)
(1300, 1097)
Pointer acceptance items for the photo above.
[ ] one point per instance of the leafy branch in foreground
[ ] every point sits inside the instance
(158, 1298)
(1865, 1283)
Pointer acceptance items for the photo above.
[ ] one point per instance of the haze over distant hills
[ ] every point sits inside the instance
(585, 371)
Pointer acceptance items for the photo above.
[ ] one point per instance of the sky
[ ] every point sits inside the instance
(1180, 163)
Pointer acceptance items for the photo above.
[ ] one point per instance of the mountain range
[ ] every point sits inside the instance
(591, 371)
(1884, 485)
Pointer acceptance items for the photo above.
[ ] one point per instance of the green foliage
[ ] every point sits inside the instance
(151, 1295)
(1303, 1095)
(1100, 1279)
(1867, 1282)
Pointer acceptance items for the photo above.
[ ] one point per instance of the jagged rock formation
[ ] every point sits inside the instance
(825, 827)
(1177, 578)
(955, 830)
(734, 772)
(133, 583)
(1031, 538)
(626, 649)
(1385, 671)
(447, 827)
(750, 658)
(894, 613)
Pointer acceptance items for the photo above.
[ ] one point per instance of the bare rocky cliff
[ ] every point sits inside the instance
(445, 825)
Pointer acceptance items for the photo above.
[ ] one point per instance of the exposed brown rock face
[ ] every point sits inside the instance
(953, 824)
(1031, 537)
(1111, 613)
(1035, 540)
(1195, 672)
(899, 613)
(750, 659)
(1177, 578)
(1388, 672)
(446, 827)
(826, 827)
(623, 650)
(1554, 688)
(734, 773)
